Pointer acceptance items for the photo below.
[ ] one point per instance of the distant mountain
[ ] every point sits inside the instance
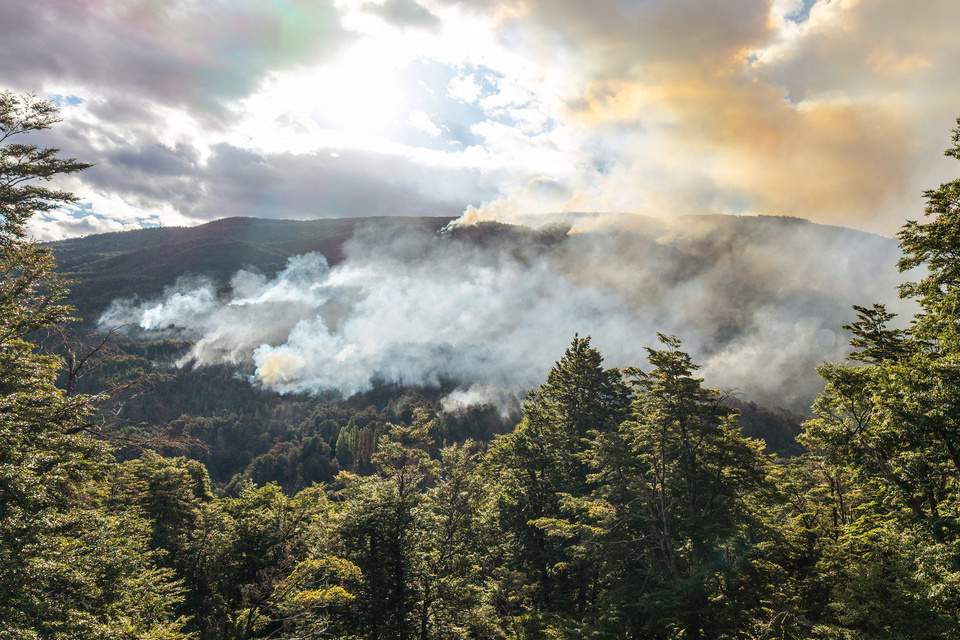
(758, 301)
(144, 261)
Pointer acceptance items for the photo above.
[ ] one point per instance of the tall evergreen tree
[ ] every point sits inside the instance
(68, 566)
(675, 503)
(892, 428)
(544, 463)
(377, 528)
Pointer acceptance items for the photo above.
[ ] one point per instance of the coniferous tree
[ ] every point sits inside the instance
(377, 527)
(544, 463)
(69, 567)
(891, 430)
(676, 484)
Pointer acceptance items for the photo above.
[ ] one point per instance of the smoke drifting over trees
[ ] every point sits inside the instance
(759, 301)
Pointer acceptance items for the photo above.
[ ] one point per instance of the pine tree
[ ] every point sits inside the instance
(544, 466)
(675, 500)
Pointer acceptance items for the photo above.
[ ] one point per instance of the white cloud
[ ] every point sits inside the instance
(664, 107)
(421, 121)
(463, 88)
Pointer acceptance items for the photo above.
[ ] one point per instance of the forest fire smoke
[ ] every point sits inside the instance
(759, 302)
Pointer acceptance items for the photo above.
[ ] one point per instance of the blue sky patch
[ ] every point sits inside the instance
(802, 13)
(63, 101)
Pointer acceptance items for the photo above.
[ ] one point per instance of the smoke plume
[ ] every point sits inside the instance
(489, 308)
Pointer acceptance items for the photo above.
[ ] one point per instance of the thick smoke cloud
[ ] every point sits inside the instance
(758, 301)
(834, 111)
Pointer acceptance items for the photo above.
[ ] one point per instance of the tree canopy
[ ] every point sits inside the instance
(69, 566)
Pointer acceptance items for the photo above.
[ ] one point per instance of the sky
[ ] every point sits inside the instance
(836, 111)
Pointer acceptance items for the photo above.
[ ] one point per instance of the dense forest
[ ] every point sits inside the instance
(614, 503)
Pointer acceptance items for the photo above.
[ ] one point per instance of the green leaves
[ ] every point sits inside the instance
(682, 482)
(70, 566)
(886, 437)
(936, 246)
(21, 164)
(875, 341)
(644, 522)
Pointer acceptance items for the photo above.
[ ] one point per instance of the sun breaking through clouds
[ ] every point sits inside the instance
(830, 110)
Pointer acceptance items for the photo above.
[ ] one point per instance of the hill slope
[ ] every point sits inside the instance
(142, 262)
(489, 303)
(758, 301)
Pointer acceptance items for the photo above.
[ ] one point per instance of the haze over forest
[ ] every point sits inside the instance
(758, 301)
(832, 112)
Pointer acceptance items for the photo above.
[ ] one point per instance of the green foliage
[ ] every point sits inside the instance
(21, 165)
(625, 504)
(875, 340)
(451, 545)
(319, 594)
(887, 436)
(232, 556)
(545, 459)
(778, 428)
(377, 528)
(69, 566)
(402, 553)
(934, 245)
(679, 487)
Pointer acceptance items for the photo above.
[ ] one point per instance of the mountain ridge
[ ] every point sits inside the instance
(759, 301)
(141, 262)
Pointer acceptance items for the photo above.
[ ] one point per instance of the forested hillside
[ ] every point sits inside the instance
(626, 502)
(144, 261)
(760, 301)
(213, 414)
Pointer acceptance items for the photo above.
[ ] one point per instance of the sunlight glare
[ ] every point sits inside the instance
(362, 94)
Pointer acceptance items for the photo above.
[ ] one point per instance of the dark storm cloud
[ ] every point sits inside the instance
(239, 182)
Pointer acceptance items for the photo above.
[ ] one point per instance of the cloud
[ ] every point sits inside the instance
(193, 54)
(627, 38)
(487, 309)
(738, 107)
(404, 13)
(420, 120)
(464, 88)
(60, 225)
(187, 184)
(835, 111)
(355, 183)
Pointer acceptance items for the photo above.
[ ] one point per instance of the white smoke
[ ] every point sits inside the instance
(758, 302)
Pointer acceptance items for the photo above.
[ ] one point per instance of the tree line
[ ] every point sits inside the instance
(624, 504)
